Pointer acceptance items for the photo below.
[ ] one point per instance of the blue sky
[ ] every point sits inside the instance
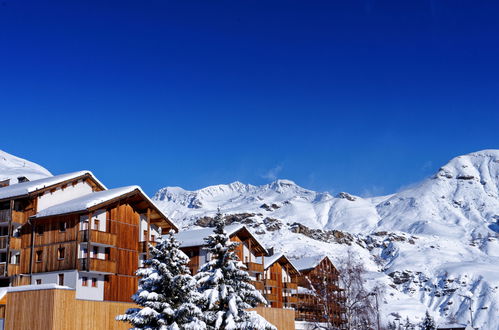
(357, 96)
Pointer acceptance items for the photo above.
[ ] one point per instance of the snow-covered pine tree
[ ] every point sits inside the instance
(408, 325)
(225, 288)
(428, 322)
(167, 292)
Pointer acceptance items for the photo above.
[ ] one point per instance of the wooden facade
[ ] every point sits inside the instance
(319, 295)
(280, 281)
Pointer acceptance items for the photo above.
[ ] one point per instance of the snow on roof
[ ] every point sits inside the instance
(86, 201)
(34, 287)
(269, 261)
(307, 262)
(195, 237)
(24, 188)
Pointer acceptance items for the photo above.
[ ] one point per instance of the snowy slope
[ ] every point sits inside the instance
(429, 244)
(12, 167)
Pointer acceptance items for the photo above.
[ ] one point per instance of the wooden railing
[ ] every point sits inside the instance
(14, 269)
(290, 285)
(272, 283)
(258, 285)
(5, 215)
(272, 297)
(254, 267)
(96, 265)
(98, 237)
(290, 299)
(19, 217)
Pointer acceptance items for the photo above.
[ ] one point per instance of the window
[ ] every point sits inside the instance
(96, 224)
(153, 238)
(61, 252)
(84, 281)
(145, 234)
(62, 226)
(95, 251)
(39, 256)
(85, 253)
(39, 230)
(94, 282)
(38, 281)
(60, 279)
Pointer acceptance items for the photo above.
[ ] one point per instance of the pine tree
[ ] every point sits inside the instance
(167, 292)
(225, 288)
(408, 325)
(428, 322)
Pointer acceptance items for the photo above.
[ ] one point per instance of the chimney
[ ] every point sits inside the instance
(21, 179)
(4, 183)
(271, 251)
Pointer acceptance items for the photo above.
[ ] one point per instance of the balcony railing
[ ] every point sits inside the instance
(272, 283)
(258, 285)
(97, 237)
(290, 285)
(272, 297)
(254, 267)
(96, 265)
(290, 299)
(5, 215)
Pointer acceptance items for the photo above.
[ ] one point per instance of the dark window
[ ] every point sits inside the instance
(38, 282)
(60, 279)
(39, 230)
(85, 252)
(94, 282)
(84, 281)
(62, 226)
(39, 256)
(145, 234)
(61, 253)
(96, 251)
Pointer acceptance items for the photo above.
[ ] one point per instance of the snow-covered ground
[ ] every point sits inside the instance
(441, 241)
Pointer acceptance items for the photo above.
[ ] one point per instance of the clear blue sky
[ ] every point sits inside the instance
(358, 96)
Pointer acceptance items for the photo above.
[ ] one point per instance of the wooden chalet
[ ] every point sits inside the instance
(280, 281)
(74, 232)
(318, 296)
(250, 251)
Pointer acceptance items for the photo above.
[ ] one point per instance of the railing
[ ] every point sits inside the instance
(254, 267)
(96, 265)
(258, 285)
(98, 237)
(272, 283)
(5, 215)
(290, 285)
(19, 217)
(290, 299)
(272, 297)
(14, 269)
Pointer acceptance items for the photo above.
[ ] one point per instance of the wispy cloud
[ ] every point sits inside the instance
(372, 191)
(272, 173)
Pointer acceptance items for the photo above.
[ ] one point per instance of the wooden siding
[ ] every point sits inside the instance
(120, 288)
(59, 310)
(283, 319)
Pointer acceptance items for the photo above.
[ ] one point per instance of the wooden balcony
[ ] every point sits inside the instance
(290, 299)
(97, 237)
(271, 283)
(258, 285)
(143, 246)
(14, 269)
(5, 215)
(254, 267)
(19, 217)
(272, 297)
(3, 267)
(96, 265)
(290, 285)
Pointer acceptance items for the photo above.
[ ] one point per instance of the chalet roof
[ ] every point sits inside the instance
(94, 200)
(25, 188)
(195, 237)
(307, 262)
(269, 261)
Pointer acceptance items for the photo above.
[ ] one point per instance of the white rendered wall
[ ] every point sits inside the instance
(101, 251)
(246, 255)
(155, 230)
(53, 277)
(63, 195)
(89, 292)
(100, 215)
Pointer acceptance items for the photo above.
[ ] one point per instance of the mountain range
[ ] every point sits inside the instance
(432, 246)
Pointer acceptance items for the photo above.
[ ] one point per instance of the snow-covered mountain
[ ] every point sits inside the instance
(429, 244)
(12, 167)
